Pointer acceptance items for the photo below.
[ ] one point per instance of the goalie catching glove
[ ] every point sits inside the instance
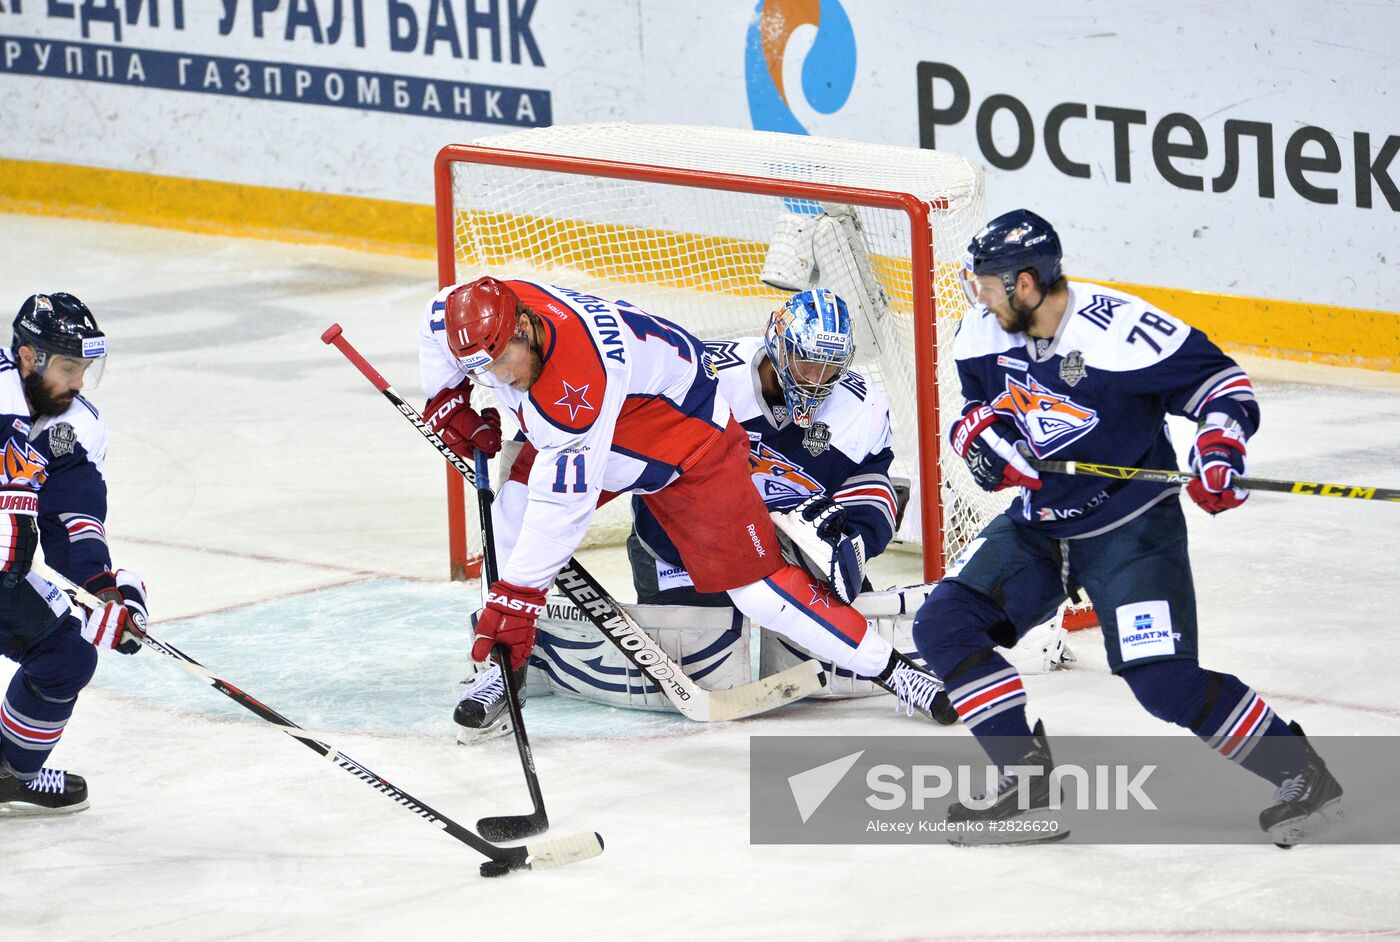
(817, 527)
(981, 440)
(119, 623)
(509, 618)
(461, 427)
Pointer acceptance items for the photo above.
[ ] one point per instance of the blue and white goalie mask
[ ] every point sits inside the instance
(810, 343)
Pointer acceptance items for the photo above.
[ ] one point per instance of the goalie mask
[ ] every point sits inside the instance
(810, 343)
(64, 335)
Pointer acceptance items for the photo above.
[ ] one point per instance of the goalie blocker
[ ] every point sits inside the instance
(571, 658)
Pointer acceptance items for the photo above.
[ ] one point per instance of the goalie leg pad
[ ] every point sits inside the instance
(829, 251)
(789, 264)
(799, 607)
(572, 659)
(838, 246)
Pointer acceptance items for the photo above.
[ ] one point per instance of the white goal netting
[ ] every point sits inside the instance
(679, 221)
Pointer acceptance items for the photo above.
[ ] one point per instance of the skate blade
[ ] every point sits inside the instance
(23, 809)
(1012, 840)
(471, 736)
(1285, 834)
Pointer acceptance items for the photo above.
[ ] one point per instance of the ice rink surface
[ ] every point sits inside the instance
(291, 528)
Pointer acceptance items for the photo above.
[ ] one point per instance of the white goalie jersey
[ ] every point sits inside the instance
(845, 455)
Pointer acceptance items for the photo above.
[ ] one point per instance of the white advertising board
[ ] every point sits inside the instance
(1246, 148)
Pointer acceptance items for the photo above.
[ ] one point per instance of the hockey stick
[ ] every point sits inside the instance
(500, 860)
(507, 827)
(1184, 477)
(693, 701)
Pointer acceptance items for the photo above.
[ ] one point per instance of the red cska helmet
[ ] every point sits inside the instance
(480, 319)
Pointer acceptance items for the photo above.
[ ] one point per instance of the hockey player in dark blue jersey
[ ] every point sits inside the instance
(1077, 371)
(52, 494)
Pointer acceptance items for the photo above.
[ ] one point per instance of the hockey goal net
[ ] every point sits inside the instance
(681, 221)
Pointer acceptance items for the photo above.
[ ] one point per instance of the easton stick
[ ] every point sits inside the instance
(1354, 491)
(579, 587)
(507, 827)
(500, 860)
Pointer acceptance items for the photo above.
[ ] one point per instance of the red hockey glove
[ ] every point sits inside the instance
(120, 623)
(461, 427)
(1217, 458)
(509, 619)
(980, 439)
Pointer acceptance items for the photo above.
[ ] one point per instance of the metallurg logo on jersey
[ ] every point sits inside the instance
(1050, 421)
(777, 477)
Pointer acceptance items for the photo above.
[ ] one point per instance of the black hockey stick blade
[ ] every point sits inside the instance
(504, 828)
(507, 827)
(515, 827)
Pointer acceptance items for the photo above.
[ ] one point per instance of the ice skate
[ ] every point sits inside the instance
(52, 791)
(482, 710)
(917, 689)
(1305, 803)
(1019, 812)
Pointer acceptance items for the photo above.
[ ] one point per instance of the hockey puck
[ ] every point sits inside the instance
(495, 868)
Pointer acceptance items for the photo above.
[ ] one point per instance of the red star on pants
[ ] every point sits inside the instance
(574, 400)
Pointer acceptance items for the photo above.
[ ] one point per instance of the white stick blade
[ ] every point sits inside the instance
(796, 682)
(564, 851)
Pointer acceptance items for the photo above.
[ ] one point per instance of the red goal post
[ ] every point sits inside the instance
(678, 218)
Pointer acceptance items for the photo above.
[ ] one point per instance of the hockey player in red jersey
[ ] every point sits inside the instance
(52, 493)
(611, 400)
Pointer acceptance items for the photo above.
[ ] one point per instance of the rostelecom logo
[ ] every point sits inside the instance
(828, 69)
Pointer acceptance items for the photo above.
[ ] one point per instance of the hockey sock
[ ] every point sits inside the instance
(1228, 716)
(991, 701)
(1244, 729)
(41, 697)
(953, 634)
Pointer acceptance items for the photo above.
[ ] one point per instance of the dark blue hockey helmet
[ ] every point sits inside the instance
(1008, 245)
(59, 325)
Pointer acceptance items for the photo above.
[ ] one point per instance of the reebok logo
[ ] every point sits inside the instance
(814, 786)
(757, 543)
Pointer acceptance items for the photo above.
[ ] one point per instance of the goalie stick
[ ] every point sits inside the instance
(500, 860)
(507, 827)
(1355, 491)
(579, 587)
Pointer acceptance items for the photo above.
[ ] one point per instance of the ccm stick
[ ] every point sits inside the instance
(1155, 476)
(584, 591)
(500, 860)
